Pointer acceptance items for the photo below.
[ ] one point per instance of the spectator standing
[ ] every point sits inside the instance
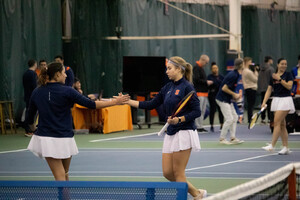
(29, 84)
(224, 99)
(201, 86)
(264, 77)
(70, 75)
(213, 90)
(249, 78)
(42, 64)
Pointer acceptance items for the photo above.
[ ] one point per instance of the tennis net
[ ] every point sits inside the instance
(282, 184)
(65, 190)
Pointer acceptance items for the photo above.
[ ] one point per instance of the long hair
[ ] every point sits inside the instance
(49, 72)
(188, 68)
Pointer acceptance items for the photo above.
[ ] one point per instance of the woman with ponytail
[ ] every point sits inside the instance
(54, 137)
(182, 136)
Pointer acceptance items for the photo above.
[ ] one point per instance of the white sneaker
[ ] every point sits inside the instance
(236, 141)
(201, 195)
(284, 151)
(224, 141)
(269, 148)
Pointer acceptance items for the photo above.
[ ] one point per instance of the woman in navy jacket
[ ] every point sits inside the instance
(54, 137)
(182, 136)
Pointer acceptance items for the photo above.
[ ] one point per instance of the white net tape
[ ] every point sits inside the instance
(256, 185)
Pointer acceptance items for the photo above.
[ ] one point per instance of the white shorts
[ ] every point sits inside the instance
(182, 140)
(59, 148)
(283, 103)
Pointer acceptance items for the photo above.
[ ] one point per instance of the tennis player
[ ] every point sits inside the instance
(182, 136)
(224, 99)
(282, 104)
(54, 137)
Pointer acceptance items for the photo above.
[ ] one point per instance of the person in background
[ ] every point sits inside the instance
(182, 136)
(213, 90)
(201, 86)
(296, 74)
(249, 78)
(42, 64)
(54, 138)
(29, 84)
(69, 71)
(224, 99)
(77, 87)
(264, 76)
(282, 104)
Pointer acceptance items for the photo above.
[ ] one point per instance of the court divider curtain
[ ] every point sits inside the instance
(28, 29)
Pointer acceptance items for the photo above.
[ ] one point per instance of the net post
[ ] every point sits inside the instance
(292, 185)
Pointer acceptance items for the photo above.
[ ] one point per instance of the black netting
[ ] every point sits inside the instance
(88, 193)
(279, 191)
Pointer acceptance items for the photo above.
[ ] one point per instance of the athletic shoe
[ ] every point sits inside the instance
(269, 148)
(28, 134)
(284, 151)
(201, 195)
(263, 121)
(236, 141)
(224, 141)
(212, 129)
(202, 130)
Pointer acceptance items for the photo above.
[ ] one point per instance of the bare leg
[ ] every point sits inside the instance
(66, 163)
(57, 168)
(180, 160)
(279, 117)
(284, 134)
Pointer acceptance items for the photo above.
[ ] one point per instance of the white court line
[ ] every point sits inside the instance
(231, 162)
(13, 151)
(124, 137)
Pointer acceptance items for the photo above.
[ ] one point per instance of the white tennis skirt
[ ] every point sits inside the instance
(59, 148)
(182, 140)
(283, 103)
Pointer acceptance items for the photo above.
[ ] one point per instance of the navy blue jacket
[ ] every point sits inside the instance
(170, 95)
(29, 84)
(54, 102)
(230, 80)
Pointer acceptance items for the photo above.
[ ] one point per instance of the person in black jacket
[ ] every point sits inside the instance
(213, 90)
(29, 84)
(201, 86)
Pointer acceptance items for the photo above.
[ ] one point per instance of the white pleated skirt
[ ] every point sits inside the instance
(59, 148)
(182, 140)
(283, 103)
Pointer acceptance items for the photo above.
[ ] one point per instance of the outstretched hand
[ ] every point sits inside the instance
(121, 99)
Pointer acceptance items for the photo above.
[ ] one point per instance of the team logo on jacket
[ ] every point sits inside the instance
(177, 92)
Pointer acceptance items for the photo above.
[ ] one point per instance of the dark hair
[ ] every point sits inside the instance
(213, 63)
(267, 58)
(42, 61)
(76, 79)
(59, 56)
(48, 73)
(31, 62)
(280, 59)
(299, 57)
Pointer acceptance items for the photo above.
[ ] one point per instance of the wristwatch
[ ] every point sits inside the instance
(179, 120)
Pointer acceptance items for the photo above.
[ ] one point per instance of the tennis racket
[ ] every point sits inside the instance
(179, 107)
(255, 117)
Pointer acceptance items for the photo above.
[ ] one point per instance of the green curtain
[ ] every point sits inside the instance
(276, 34)
(29, 29)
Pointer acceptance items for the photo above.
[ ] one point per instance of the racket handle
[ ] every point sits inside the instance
(163, 129)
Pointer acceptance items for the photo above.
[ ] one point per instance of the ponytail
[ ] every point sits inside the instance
(49, 72)
(43, 77)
